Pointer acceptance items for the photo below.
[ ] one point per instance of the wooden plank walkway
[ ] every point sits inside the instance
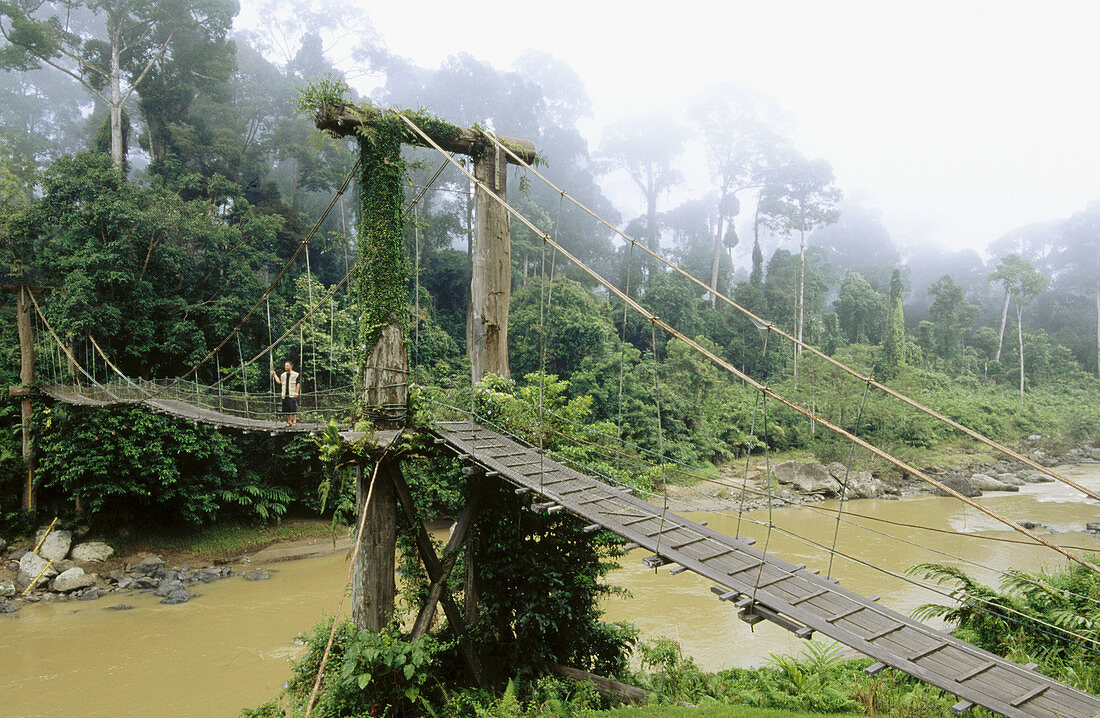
(764, 587)
(93, 397)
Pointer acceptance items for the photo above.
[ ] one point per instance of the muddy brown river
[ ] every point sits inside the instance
(228, 648)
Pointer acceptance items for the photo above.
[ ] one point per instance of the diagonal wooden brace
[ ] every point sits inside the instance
(450, 555)
(435, 573)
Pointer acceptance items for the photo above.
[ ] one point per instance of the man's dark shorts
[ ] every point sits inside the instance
(290, 404)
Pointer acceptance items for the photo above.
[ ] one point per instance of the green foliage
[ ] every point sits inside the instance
(952, 316)
(368, 673)
(859, 309)
(816, 681)
(539, 587)
(557, 328)
(270, 709)
(382, 285)
(320, 96)
(893, 338)
(1052, 619)
(134, 467)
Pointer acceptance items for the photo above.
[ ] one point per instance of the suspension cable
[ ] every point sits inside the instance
(744, 377)
(813, 350)
(1023, 621)
(847, 474)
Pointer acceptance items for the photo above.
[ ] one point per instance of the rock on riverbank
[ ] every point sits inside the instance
(804, 482)
(60, 571)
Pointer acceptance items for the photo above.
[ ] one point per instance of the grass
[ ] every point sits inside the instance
(223, 541)
(712, 711)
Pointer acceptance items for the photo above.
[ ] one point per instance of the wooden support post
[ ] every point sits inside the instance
(435, 572)
(476, 486)
(372, 589)
(386, 373)
(26, 379)
(491, 278)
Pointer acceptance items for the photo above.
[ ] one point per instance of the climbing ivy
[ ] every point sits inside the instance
(382, 285)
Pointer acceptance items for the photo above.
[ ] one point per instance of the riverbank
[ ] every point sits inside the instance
(59, 566)
(799, 478)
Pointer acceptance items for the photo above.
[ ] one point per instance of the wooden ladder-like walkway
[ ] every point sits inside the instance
(181, 409)
(764, 587)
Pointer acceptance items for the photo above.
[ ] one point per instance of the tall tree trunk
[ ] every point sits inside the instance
(801, 300)
(1020, 334)
(1004, 320)
(491, 276)
(717, 258)
(116, 96)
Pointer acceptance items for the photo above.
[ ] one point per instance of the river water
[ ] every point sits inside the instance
(228, 648)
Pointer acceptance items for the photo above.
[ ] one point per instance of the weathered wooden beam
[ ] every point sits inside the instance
(435, 573)
(450, 555)
(345, 121)
(622, 692)
(373, 588)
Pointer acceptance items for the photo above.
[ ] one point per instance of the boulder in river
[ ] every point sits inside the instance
(31, 566)
(72, 579)
(176, 596)
(1010, 479)
(120, 607)
(165, 587)
(861, 484)
(985, 482)
(257, 575)
(56, 546)
(92, 551)
(86, 594)
(7, 606)
(63, 565)
(807, 477)
(149, 565)
(962, 484)
(7, 589)
(1093, 528)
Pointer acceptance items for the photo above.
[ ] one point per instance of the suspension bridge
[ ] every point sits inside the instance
(759, 585)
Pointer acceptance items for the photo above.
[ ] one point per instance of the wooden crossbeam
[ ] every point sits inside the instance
(344, 120)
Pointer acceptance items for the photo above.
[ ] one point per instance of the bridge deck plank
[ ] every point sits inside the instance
(793, 594)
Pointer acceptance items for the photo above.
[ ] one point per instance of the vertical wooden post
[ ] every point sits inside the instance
(373, 588)
(26, 379)
(491, 278)
(386, 374)
(475, 490)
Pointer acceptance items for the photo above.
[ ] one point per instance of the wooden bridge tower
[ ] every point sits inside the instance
(487, 344)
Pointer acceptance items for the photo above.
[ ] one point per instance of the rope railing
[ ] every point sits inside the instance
(320, 406)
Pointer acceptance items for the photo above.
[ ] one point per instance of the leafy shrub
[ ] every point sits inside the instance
(368, 673)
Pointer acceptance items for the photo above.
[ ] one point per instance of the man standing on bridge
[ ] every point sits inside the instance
(288, 380)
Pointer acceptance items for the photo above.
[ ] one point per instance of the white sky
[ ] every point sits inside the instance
(960, 120)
